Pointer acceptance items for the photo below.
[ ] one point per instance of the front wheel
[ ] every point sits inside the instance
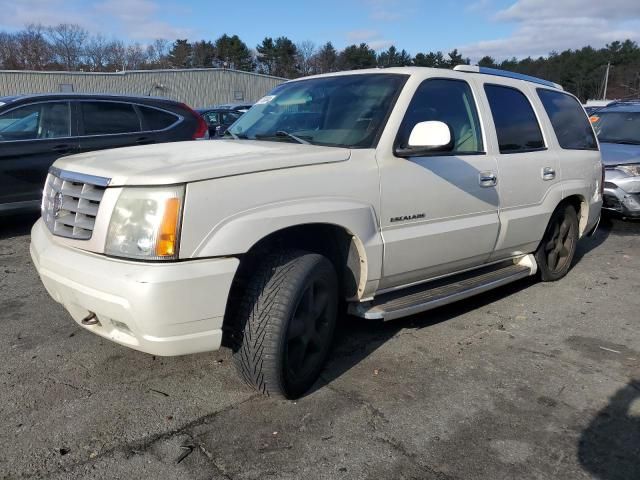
(287, 317)
(558, 246)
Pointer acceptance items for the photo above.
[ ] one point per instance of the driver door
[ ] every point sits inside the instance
(439, 213)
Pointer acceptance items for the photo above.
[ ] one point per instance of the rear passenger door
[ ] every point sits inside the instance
(107, 124)
(528, 172)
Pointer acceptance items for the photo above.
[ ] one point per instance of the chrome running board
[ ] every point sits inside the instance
(427, 296)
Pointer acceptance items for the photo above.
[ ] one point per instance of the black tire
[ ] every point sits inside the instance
(287, 316)
(558, 247)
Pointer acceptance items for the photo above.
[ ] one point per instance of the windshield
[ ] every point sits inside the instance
(340, 111)
(617, 127)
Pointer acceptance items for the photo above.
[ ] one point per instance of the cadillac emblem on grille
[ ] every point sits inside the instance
(70, 203)
(57, 204)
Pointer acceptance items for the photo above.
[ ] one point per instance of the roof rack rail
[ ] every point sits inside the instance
(505, 73)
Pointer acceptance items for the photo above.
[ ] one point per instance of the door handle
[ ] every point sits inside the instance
(62, 148)
(548, 173)
(488, 179)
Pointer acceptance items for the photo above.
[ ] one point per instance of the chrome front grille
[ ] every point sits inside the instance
(70, 203)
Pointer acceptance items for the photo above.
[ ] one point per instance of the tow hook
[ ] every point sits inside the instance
(90, 319)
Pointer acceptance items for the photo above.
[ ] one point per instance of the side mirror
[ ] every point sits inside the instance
(427, 138)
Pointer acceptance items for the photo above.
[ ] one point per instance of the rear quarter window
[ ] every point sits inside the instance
(568, 119)
(516, 124)
(156, 119)
(107, 118)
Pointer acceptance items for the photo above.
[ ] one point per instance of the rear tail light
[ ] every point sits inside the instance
(202, 130)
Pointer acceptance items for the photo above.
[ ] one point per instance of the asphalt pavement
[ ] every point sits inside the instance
(532, 381)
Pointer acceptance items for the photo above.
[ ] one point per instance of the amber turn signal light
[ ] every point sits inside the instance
(168, 234)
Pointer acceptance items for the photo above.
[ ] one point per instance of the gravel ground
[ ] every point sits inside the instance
(530, 381)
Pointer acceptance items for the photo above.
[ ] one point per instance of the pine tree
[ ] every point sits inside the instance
(327, 58)
(234, 52)
(180, 55)
(203, 54)
(356, 57)
(277, 57)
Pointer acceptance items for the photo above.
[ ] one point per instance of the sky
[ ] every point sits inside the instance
(500, 28)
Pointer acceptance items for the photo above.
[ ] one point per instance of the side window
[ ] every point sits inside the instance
(229, 117)
(103, 118)
(211, 118)
(37, 121)
(516, 123)
(157, 119)
(569, 121)
(448, 101)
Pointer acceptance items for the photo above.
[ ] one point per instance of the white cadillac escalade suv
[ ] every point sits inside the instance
(393, 190)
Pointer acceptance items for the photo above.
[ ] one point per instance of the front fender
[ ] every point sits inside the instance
(237, 233)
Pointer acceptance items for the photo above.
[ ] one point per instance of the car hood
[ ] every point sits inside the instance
(183, 162)
(619, 154)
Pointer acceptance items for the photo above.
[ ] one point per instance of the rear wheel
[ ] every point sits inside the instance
(558, 246)
(287, 318)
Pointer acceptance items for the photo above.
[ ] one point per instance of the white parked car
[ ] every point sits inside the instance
(395, 191)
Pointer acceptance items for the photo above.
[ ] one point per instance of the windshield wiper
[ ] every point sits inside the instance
(281, 134)
(235, 135)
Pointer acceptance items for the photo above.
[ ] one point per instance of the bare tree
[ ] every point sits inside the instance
(8, 52)
(97, 53)
(157, 53)
(136, 57)
(104, 55)
(116, 56)
(67, 41)
(32, 48)
(305, 57)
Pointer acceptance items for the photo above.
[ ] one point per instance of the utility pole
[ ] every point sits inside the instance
(606, 82)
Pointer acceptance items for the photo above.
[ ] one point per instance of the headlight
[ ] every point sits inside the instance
(631, 170)
(145, 223)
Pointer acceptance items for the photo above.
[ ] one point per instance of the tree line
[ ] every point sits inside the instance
(71, 47)
(582, 71)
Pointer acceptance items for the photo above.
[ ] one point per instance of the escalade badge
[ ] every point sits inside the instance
(407, 218)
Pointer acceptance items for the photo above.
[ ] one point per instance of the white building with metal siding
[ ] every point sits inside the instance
(201, 87)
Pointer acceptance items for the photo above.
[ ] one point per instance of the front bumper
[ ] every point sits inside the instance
(163, 309)
(622, 194)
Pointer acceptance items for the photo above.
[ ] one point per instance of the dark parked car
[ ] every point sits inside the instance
(219, 119)
(238, 107)
(35, 130)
